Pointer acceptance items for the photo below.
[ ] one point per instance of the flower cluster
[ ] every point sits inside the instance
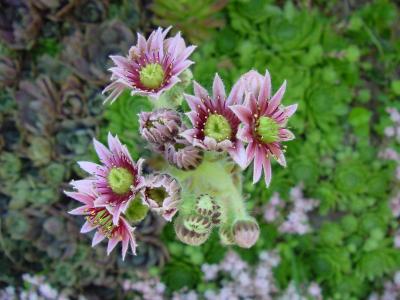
(232, 278)
(393, 131)
(111, 191)
(393, 134)
(296, 220)
(149, 288)
(294, 292)
(397, 239)
(204, 150)
(245, 282)
(36, 287)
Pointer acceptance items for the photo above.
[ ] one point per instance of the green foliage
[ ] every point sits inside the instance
(178, 274)
(122, 117)
(196, 19)
(375, 264)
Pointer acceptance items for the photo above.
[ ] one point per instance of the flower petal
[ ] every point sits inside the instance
(193, 102)
(290, 110)
(236, 96)
(250, 152)
(199, 91)
(114, 144)
(103, 153)
(276, 99)
(258, 164)
(189, 134)
(238, 154)
(112, 242)
(265, 92)
(87, 227)
(286, 135)
(278, 154)
(242, 112)
(83, 186)
(125, 244)
(81, 197)
(82, 210)
(90, 167)
(218, 88)
(98, 237)
(267, 170)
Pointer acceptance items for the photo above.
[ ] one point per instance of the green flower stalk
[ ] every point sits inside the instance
(223, 205)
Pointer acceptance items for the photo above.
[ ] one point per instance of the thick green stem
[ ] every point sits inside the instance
(214, 177)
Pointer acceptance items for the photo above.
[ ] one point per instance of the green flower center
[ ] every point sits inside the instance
(120, 180)
(152, 76)
(267, 130)
(158, 195)
(217, 127)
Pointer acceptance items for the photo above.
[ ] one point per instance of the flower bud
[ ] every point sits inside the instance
(188, 236)
(246, 233)
(206, 205)
(183, 155)
(159, 126)
(162, 194)
(136, 211)
(198, 224)
(226, 235)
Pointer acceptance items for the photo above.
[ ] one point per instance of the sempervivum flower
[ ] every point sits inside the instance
(100, 219)
(116, 181)
(162, 194)
(182, 155)
(214, 124)
(160, 126)
(264, 121)
(152, 66)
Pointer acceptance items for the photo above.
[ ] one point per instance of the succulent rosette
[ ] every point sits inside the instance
(264, 120)
(151, 67)
(117, 180)
(214, 124)
(99, 218)
(162, 194)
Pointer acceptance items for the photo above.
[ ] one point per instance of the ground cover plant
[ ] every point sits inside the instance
(327, 225)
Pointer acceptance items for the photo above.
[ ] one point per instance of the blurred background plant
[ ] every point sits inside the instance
(332, 216)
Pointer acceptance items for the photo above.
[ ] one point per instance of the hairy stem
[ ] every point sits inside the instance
(214, 177)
